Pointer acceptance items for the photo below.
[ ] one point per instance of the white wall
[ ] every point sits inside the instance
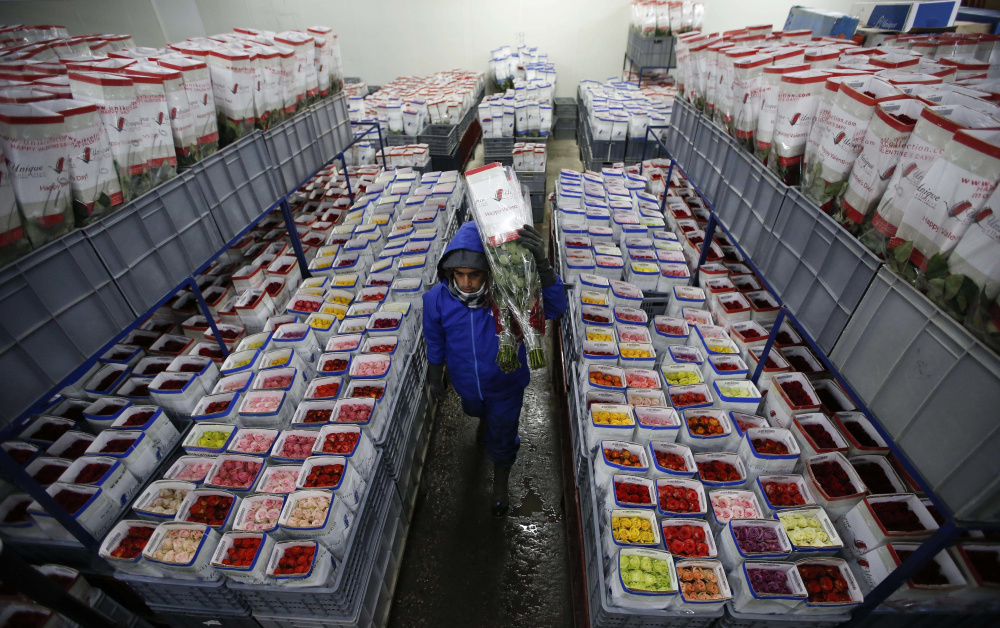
(382, 39)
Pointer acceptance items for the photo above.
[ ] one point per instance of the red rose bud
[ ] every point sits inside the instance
(630, 493)
(117, 446)
(832, 479)
(770, 447)
(824, 583)
(71, 501)
(134, 542)
(216, 406)
(92, 472)
(674, 462)
(324, 475)
(718, 471)
(210, 510)
(897, 517)
(909, 169)
(327, 390)
(678, 499)
(242, 552)
(686, 540)
(784, 495)
(48, 474)
(375, 392)
(796, 392)
(296, 559)
(317, 416)
(820, 436)
(340, 442)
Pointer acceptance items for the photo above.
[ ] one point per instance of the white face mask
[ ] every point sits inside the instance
(470, 299)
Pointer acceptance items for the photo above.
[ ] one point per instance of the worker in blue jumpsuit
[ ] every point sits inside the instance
(460, 330)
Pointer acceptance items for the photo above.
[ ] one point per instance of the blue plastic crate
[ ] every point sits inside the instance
(373, 609)
(185, 596)
(417, 441)
(685, 122)
(912, 365)
(157, 241)
(341, 600)
(58, 306)
(332, 126)
(817, 269)
(237, 184)
(401, 415)
(711, 145)
(748, 199)
(294, 151)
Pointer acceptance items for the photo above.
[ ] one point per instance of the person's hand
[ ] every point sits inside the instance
(531, 239)
(435, 381)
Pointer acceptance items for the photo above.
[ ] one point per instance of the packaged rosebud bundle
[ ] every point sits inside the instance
(798, 99)
(117, 99)
(108, 474)
(769, 84)
(747, 92)
(936, 126)
(87, 504)
(317, 514)
(179, 113)
(841, 137)
(93, 181)
(190, 469)
(642, 578)
(197, 84)
(333, 473)
(154, 122)
(123, 546)
(350, 441)
(13, 240)
(299, 564)
(268, 100)
(882, 147)
(974, 266)
(35, 150)
(951, 198)
(212, 507)
(243, 556)
(500, 209)
(183, 549)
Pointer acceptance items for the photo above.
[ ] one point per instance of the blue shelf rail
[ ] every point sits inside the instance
(103, 283)
(952, 528)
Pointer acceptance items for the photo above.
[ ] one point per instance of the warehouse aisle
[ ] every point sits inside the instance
(463, 567)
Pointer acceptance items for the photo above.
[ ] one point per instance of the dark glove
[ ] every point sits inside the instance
(531, 239)
(435, 381)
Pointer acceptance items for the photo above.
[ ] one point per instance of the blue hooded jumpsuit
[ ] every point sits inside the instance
(466, 339)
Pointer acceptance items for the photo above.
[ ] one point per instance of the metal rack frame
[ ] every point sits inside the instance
(281, 204)
(952, 528)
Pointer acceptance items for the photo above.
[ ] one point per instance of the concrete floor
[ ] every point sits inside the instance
(462, 567)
